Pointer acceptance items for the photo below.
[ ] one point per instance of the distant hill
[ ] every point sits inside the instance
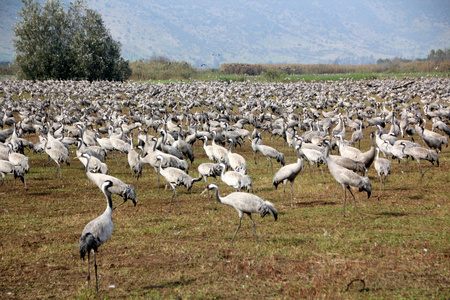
(213, 32)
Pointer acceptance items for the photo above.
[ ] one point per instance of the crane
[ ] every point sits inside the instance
(120, 188)
(97, 232)
(176, 177)
(246, 203)
(348, 179)
(289, 173)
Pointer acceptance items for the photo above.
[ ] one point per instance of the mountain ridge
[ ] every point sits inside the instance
(210, 32)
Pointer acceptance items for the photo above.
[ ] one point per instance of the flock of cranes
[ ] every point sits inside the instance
(301, 123)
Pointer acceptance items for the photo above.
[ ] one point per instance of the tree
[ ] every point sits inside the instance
(53, 43)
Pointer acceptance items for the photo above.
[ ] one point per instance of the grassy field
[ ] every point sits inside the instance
(397, 246)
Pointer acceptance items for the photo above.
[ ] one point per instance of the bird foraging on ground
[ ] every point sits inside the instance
(348, 179)
(246, 203)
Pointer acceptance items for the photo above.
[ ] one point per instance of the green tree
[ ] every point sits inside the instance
(53, 43)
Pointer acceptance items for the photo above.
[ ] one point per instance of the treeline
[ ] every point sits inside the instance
(437, 61)
(161, 68)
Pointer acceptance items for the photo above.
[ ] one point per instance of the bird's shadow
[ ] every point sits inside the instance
(315, 203)
(170, 284)
(391, 214)
(289, 241)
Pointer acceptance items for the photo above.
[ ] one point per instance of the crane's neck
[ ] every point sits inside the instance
(109, 204)
(217, 195)
(86, 168)
(230, 146)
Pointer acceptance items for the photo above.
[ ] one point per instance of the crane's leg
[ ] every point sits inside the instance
(345, 198)
(48, 161)
(421, 173)
(427, 169)
(335, 191)
(95, 268)
(323, 176)
(381, 181)
(239, 226)
(292, 193)
(178, 201)
(89, 267)
(313, 174)
(58, 166)
(171, 199)
(354, 200)
(254, 228)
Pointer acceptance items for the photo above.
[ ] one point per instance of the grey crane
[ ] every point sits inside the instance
(95, 165)
(289, 173)
(57, 152)
(235, 179)
(209, 169)
(133, 160)
(419, 153)
(246, 203)
(433, 139)
(345, 162)
(161, 145)
(208, 148)
(97, 232)
(368, 157)
(357, 136)
(96, 151)
(7, 167)
(126, 191)
(176, 177)
(18, 159)
(347, 151)
(169, 160)
(440, 125)
(237, 162)
(383, 168)
(348, 179)
(313, 156)
(184, 147)
(268, 152)
(220, 154)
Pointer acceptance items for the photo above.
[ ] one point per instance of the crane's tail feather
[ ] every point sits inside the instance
(87, 243)
(129, 193)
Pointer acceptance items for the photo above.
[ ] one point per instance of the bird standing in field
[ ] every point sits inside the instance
(97, 232)
(383, 167)
(246, 203)
(268, 152)
(127, 191)
(289, 173)
(174, 178)
(419, 153)
(7, 167)
(348, 179)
